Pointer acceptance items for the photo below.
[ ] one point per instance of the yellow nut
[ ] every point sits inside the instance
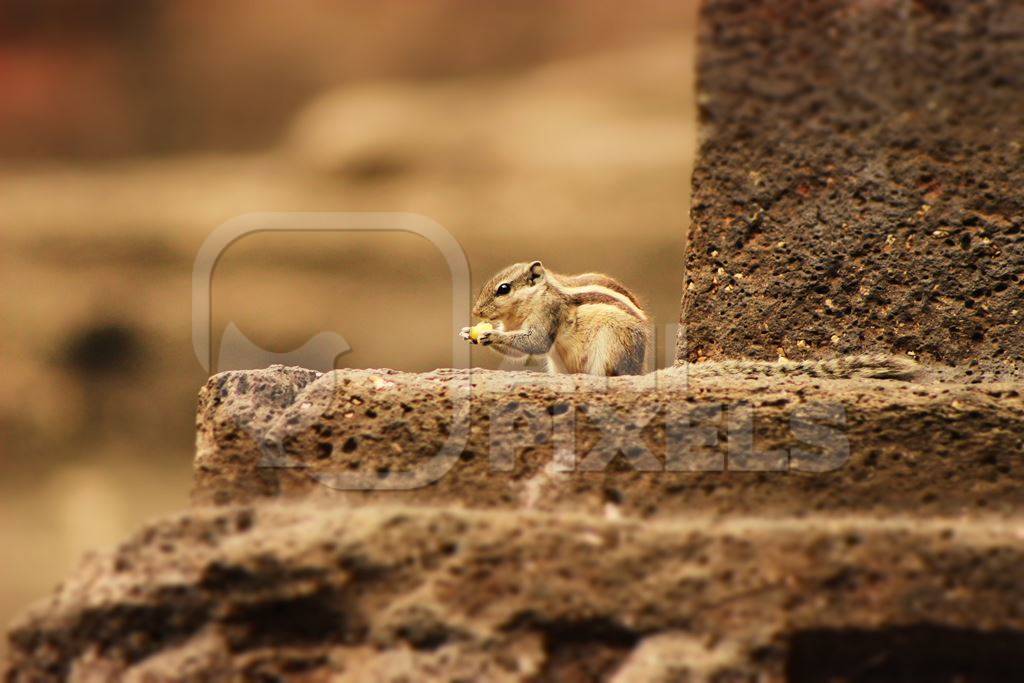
(474, 332)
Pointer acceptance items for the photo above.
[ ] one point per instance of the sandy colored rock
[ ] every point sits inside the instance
(859, 181)
(405, 593)
(660, 445)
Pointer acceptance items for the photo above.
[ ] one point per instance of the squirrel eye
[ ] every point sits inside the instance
(504, 288)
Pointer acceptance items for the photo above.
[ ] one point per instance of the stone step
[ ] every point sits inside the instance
(662, 445)
(378, 593)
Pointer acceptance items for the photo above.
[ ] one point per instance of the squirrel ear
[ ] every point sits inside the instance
(536, 272)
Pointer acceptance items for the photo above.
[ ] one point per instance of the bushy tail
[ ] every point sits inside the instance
(866, 366)
(871, 366)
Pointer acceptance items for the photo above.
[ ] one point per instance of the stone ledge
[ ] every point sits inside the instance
(933, 448)
(376, 593)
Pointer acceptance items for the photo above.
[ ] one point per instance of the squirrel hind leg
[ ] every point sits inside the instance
(632, 356)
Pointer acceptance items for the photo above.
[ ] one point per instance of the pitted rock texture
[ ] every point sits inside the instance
(859, 182)
(651, 446)
(255, 399)
(307, 593)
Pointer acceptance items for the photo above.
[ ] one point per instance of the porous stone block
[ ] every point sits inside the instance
(859, 182)
(301, 592)
(660, 445)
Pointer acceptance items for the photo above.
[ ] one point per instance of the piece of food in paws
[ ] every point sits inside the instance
(474, 332)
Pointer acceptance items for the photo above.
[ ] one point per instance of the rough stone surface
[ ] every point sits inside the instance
(894, 446)
(392, 594)
(254, 398)
(859, 181)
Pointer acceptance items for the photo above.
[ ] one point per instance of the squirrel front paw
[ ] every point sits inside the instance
(487, 337)
(476, 334)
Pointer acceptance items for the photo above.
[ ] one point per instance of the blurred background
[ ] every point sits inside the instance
(131, 129)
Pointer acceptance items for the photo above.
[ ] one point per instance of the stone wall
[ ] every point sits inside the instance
(859, 181)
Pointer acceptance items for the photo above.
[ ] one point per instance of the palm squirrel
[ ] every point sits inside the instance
(592, 324)
(586, 323)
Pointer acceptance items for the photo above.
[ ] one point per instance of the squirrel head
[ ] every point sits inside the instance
(509, 294)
